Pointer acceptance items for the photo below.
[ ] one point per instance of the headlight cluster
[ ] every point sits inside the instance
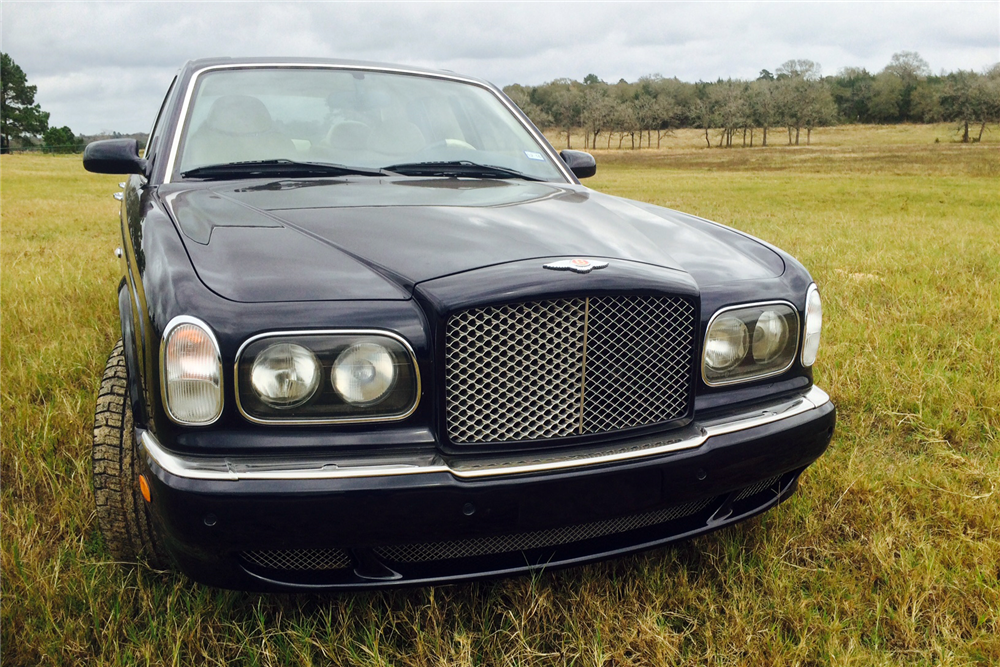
(326, 377)
(750, 342)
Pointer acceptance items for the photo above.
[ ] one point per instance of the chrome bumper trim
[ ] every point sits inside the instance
(233, 468)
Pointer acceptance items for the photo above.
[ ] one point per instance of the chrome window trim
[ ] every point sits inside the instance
(270, 468)
(323, 420)
(167, 330)
(752, 378)
(542, 142)
(159, 116)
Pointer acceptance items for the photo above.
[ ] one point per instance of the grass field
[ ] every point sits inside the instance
(889, 554)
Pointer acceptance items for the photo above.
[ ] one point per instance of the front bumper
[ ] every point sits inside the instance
(265, 523)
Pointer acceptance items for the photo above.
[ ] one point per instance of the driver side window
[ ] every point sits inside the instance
(155, 135)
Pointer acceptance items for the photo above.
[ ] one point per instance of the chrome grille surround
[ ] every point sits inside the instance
(501, 544)
(563, 367)
(299, 559)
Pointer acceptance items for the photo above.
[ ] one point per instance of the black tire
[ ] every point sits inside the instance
(122, 514)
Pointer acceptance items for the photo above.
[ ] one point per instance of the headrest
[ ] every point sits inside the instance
(239, 114)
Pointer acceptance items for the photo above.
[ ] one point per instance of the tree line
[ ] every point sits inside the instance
(22, 121)
(795, 98)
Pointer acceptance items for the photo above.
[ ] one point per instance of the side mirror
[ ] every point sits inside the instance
(581, 164)
(114, 156)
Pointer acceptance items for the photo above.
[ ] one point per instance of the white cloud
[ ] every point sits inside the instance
(106, 65)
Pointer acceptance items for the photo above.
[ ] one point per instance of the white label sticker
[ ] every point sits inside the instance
(531, 155)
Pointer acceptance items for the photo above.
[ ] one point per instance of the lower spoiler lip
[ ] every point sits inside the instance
(237, 468)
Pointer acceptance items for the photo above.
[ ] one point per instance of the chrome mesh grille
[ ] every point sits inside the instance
(501, 544)
(638, 362)
(299, 559)
(549, 369)
(523, 359)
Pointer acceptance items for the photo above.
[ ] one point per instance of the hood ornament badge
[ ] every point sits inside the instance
(576, 265)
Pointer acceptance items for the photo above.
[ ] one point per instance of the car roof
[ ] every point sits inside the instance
(204, 63)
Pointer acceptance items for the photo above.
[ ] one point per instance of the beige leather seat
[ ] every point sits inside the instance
(348, 135)
(346, 141)
(238, 128)
(396, 140)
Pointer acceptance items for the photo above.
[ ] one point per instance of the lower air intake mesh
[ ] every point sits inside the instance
(316, 560)
(758, 487)
(299, 559)
(482, 546)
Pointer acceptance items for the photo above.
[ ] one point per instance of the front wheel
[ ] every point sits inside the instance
(122, 514)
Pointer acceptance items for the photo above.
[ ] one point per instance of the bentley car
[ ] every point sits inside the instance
(374, 332)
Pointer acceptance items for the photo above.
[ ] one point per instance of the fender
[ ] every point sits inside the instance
(135, 392)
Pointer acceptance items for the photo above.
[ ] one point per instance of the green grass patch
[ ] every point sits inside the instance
(888, 554)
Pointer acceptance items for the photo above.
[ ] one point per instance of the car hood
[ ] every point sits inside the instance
(376, 238)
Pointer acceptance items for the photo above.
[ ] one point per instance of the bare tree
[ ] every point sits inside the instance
(562, 100)
(910, 70)
(645, 114)
(674, 100)
(966, 100)
(703, 114)
(800, 69)
(819, 109)
(597, 113)
(992, 77)
(800, 97)
(623, 121)
(908, 66)
(986, 92)
(665, 113)
(567, 106)
(763, 106)
(730, 109)
(787, 92)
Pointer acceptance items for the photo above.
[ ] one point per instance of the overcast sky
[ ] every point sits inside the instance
(106, 65)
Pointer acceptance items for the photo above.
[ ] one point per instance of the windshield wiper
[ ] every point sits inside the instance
(280, 167)
(457, 168)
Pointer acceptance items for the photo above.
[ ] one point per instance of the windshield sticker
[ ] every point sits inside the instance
(531, 155)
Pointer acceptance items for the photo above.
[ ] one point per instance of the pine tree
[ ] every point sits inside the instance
(20, 117)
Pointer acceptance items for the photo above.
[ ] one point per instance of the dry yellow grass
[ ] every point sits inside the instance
(888, 555)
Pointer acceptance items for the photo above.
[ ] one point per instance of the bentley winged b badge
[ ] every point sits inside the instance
(576, 265)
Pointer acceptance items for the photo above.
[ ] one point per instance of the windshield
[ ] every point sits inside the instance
(366, 120)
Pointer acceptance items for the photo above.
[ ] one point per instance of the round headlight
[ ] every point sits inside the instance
(285, 375)
(770, 335)
(728, 343)
(363, 373)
